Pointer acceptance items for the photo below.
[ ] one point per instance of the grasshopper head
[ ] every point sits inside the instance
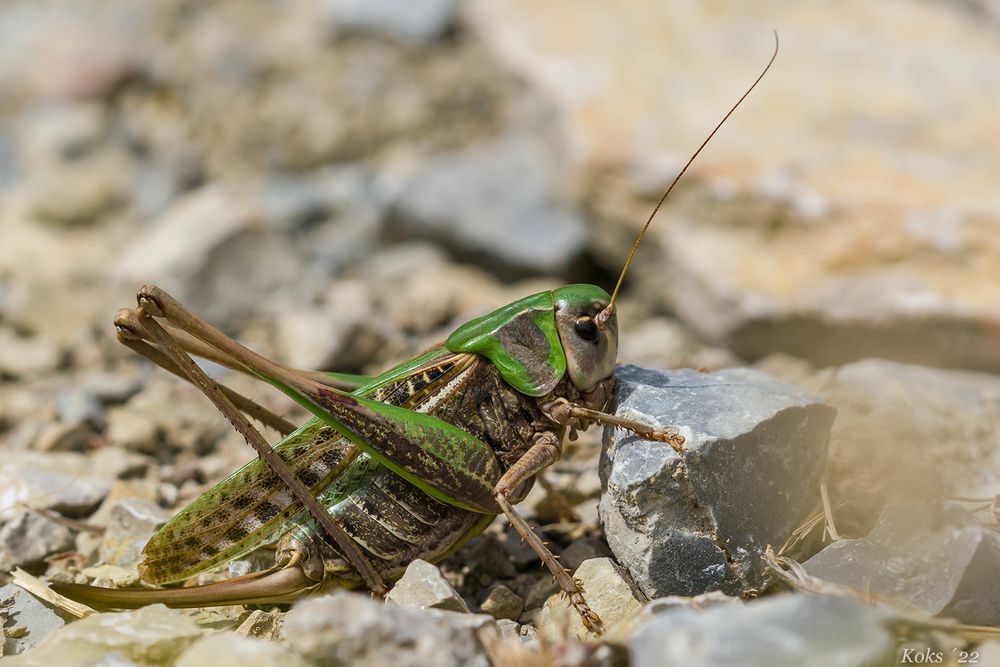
(591, 347)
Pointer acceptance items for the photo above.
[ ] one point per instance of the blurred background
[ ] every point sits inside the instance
(339, 183)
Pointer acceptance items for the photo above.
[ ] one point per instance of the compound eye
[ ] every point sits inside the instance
(586, 329)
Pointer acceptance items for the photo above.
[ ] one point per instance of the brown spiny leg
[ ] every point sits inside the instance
(153, 302)
(196, 347)
(544, 451)
(572, 415)
(130, 335)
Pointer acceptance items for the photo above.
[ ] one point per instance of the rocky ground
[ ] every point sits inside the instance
(340, 183)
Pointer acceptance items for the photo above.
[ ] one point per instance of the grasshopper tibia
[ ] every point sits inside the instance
(154, 302)
(545, 451)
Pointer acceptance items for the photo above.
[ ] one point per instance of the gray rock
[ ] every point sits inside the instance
(785, 631)
(691, 523)
(78, 405)
(581, 550)
(911, 434)
(66, 482)
(508, 629)
(423, 586)
(132, 522)
(950, 567)
(412, 21)
(977, 599)
(20, 609)
(352, 629)
(24, 357)
(152, 635)
(502, 603)
(226, 649)
(498, 201)
(28, 537)
(112, 388)
(132, 430)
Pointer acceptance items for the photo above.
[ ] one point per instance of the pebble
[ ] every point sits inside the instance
(606, 591)
(498, 201)
(784, 631)
(22, 357)
(18, 608)
(28, 537)
(581, 550)
(132, 522)
(227, 649)
(350, 628)
(699, 521)
(65, 482)
(132, 430)
(77, 405)
(262, 624)
(423, 586)
(502, 603)
(417, 21)
(152, 635)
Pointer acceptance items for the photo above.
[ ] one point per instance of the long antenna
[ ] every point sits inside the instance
(604, 315)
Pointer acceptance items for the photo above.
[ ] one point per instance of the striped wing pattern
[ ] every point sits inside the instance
(252, 507)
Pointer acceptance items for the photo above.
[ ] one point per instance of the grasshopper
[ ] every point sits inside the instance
(410, 464)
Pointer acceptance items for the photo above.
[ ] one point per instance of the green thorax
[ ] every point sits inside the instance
(520, 339)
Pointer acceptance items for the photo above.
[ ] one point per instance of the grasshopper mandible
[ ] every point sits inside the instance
(410, 464)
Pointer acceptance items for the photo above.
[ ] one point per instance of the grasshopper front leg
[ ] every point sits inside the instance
(565, 413)
(544, 451)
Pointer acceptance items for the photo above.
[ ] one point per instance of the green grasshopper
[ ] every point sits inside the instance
(410, 464)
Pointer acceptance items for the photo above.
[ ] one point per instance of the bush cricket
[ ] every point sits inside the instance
(410, 464)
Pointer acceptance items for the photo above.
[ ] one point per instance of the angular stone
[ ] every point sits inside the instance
(414, 21)
(423, 586)
(132, 522)
(830, 235)
(29, 537)
(197, 245)
(66, 482)
(77, 405)
(498, 201)
(350, 628)
(227, 649)
(132, 430)
(20, 609)
(262, 625)
(607, 592)
(909, 434)
(502, 603)
(24, 357)
(783, 631)
(949, 567)
(699, 521)
(152, 635)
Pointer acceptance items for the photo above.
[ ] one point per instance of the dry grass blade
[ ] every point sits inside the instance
(43, 592)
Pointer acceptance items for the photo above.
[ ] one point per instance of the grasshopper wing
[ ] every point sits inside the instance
(249, 508)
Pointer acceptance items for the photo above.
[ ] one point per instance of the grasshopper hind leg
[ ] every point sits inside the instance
(154, 303)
